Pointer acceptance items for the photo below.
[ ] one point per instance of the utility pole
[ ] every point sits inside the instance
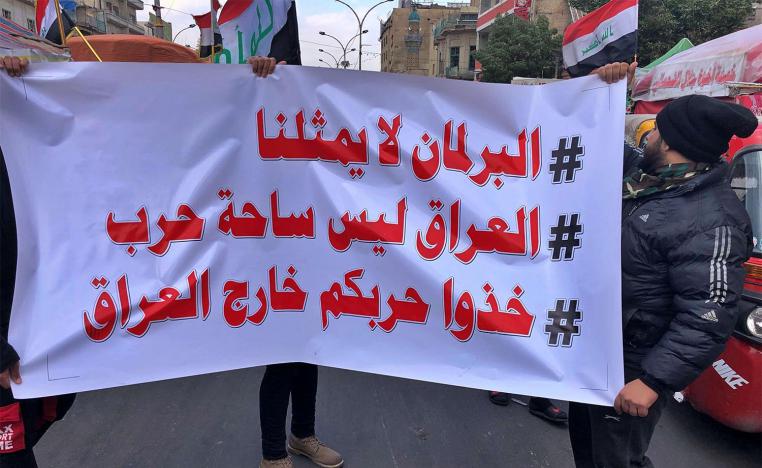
(158, 28)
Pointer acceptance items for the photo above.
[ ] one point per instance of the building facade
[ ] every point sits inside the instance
(157, 27)
(109, 16)
(407, 36)
(20, 12)
(91, 16)
(455, 45)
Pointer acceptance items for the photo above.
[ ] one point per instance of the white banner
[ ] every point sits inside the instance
(176, 220)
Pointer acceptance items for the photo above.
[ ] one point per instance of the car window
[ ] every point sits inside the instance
(746, 178)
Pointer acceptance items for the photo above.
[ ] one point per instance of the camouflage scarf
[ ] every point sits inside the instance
(638, 183)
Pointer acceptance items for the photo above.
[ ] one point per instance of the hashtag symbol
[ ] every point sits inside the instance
(563, 323)
(564, 237)
(566, 159)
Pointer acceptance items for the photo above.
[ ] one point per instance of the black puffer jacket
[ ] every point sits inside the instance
(682, 276)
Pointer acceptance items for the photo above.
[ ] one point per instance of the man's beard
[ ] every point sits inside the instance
(653, 157)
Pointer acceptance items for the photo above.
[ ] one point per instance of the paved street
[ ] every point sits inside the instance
(377, 422)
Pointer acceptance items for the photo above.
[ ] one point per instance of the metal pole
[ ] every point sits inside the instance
(360, 22)
(159, 26)
(341, 44)
(184, 29)
(331, 55)
(327, 64)
(213, 13)
(355, 37)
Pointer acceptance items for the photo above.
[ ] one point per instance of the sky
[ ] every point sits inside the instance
(314, 16)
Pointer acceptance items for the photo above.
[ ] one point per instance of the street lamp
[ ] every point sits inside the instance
(360, 22)
(190, 26)
(356, 36)
(331, 55)
(343, 46)
(327, 64)
(345, 63)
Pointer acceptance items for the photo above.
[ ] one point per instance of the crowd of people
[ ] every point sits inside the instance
(676, 315)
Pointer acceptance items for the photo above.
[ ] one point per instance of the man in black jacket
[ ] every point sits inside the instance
(685, 237)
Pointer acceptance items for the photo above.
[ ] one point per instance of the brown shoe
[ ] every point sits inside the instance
(316, 451)
(280, 463)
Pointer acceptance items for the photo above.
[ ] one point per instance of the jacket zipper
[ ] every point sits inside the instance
(676, 193)
(637, 205)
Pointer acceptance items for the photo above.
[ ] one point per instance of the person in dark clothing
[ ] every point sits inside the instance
(685, 237)
(294, 381)
(541, 407)
(297, 381)
(22, 422)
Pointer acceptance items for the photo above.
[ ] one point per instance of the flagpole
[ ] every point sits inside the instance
(213, 13)
(60, 24)
(88, 43)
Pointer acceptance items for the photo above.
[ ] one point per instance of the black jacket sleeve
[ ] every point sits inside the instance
(707, 275)
(285, 45)
(8, 355)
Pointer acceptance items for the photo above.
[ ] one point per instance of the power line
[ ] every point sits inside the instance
(167, 8)
(329, 45)
(173, 9)
(319, 44)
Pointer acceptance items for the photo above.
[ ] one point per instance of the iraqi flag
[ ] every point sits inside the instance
(265, 28)
(210, 32)
(45, 16)
(608, 34)
(47, 21)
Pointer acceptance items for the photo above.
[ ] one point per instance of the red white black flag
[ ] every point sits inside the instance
(210, 31)
(608, 34)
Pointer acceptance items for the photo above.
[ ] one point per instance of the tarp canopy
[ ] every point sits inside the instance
(705, 69)
(21, 42)
(130, 48)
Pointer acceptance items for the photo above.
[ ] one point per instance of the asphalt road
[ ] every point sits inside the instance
(213, 421)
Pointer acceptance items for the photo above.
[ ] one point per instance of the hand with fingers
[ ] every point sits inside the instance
(12, 373)
(635, 399)
(263, 66)
(14, 66)
(614, 72)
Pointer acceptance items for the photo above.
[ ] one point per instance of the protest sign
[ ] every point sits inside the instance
(176, 220)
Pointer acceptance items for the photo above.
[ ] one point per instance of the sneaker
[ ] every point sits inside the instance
(548, 411)
(500, 398)
(280, 463)
(316, 451)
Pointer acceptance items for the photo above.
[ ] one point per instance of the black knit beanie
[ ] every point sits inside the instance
(700, 127)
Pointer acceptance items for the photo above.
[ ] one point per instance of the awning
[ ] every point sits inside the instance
(705, 69)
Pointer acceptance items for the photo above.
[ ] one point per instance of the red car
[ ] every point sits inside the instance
(731, 390)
